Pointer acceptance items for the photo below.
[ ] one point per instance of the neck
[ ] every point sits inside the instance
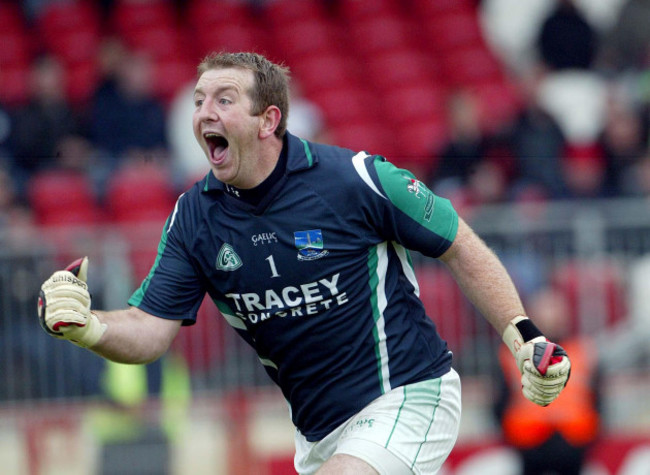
(269, 153)
(257, 193)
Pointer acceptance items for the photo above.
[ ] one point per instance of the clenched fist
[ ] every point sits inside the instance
(64, 306)
(545, 366)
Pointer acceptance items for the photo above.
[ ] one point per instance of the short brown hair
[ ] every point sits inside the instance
(271, 85)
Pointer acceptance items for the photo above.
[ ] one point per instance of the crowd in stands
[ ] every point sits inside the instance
(96, 89)
(96, 104)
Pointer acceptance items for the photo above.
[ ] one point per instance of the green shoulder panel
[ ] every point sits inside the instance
(413, 198)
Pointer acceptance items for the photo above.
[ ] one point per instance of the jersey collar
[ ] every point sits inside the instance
(300, 156)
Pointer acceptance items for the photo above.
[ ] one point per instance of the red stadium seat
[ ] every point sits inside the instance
(79, 45)
(397, 68)
(326, 71)
(16, 48)
(379, 34)
(12, 19)
(82, 79)
(413, 102)
(499, 103)
(420, 139)
(14, 84)
(71, 31)
(281, 13)
(363, 135)
(356, 10)
(230, 37)
(130, 16)
(208, 14)
(454, 30)
(347, 104)
(140, 193)
(64, 17)
(60, 197)
(427, 9)
(139, 198)
(158, 42)
(310, 37)
(469, 66)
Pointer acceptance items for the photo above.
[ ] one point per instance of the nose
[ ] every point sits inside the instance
(207, 112)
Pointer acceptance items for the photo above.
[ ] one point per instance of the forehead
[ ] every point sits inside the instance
(240, 79)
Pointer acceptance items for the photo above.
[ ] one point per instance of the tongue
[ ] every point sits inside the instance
(216, 151)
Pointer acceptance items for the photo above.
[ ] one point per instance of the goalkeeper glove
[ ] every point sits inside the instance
(544, 366)
(64, 306)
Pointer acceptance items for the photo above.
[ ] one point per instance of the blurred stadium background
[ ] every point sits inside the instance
(451, 89)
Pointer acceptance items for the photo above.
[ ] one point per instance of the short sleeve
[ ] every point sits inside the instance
(173, 288)
(420, 219)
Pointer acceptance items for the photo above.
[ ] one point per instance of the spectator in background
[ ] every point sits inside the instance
(473, 168)
(466, 148)
(567, 40)
(16, 220)
(537, 143)
(622, 143)
(77, 154)
(553, 439)
(626, 46)
(125, 114)
(584, 172)
(637, 178)
(487, 184)
(38, 127)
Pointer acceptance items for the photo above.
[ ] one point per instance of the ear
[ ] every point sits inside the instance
(269, 121)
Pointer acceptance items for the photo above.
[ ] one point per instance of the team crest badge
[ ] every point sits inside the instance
(228, 260)
(417, 188)
(310, 244)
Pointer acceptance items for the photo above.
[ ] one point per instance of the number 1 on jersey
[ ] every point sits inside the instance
(274, 270)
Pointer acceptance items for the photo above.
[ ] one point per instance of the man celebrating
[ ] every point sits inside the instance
(303, 248)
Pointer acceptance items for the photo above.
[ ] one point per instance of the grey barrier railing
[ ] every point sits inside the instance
(595, 252)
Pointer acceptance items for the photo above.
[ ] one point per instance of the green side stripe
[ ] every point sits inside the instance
(373, 282)
(429, 392)
(397, 418)
(310, 159)
(138, 295)
(433, 416)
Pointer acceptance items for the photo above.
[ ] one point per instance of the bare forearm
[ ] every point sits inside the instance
(483, 278)
(133, 336)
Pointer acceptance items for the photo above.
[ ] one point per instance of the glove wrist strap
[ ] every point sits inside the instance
(519, 331)
(89, 335)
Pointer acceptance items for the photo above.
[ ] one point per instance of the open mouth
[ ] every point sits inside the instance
(217, 145)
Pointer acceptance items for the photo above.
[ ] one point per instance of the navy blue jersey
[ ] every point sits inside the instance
(316, 277)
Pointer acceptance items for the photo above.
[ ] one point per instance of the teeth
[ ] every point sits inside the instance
(210, 136)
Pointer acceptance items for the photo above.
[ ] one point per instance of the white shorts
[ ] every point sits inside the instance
(409, 430)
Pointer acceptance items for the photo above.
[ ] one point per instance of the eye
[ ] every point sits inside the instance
(225, 101)
(198, 102)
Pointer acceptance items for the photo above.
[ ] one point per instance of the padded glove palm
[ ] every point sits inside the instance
(64, 306)
(545, 366)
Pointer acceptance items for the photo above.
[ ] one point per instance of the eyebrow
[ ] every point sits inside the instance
(219, 90)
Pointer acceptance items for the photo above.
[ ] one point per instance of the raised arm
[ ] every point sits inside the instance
(134, 336)
(125, 336)
(544, 365)
(482, 278)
